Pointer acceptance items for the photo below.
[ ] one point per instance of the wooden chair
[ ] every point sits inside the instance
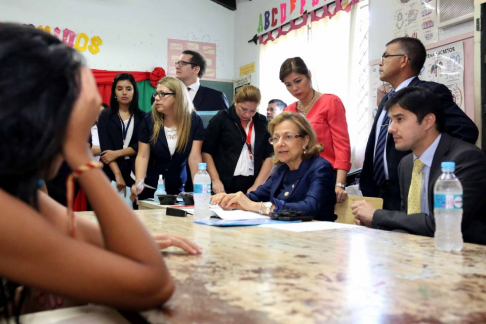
(343, 210)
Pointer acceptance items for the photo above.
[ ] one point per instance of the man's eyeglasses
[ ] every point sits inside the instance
(162, 94)
(385, 56)
(286, 138)
(183, 63)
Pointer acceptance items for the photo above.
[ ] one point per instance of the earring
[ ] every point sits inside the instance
(304, 150)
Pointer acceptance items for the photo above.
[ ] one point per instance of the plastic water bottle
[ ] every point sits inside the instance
(160, 190)
(202, 193)
(448, 210)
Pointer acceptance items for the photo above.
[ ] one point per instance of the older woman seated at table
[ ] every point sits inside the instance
(302, 180)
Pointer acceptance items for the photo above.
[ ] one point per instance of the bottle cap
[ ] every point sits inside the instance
(448, 166)
(201, 166)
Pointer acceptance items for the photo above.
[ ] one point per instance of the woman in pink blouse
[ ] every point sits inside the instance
(326, 114)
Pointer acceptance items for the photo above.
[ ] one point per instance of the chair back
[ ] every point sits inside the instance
(343, 210)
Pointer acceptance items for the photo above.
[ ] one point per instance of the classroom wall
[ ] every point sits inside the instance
(134, 33)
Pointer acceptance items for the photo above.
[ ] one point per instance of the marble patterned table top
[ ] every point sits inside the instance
(349, 275)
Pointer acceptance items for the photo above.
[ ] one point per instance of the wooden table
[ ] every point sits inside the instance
(351, 275)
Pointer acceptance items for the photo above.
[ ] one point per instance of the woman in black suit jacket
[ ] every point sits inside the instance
(118, 129)
(236, 147)
(170, 138)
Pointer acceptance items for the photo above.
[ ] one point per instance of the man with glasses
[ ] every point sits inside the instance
(190, 67)
(400, 66)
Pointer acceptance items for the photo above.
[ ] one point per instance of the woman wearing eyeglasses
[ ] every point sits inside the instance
(302, 180)
(118, 131)
(236, 147)
(170, 136)
(325, 113)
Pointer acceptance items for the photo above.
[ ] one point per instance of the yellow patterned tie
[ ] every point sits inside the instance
(414, 203)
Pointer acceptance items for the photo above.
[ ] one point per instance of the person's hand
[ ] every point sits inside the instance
(109, 156)
(136, 189)
(237, 200)
(217, 186)
(252, 188)
(120, 184)
(341, 194)
(217, 198)
(166, 240)
(76, 150)
(363, 212)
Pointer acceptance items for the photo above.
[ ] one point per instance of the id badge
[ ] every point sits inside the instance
(251, 164)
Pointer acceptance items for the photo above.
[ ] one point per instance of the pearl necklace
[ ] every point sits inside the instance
(306, 110)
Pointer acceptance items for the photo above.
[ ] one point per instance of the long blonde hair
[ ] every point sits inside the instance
(183, 109)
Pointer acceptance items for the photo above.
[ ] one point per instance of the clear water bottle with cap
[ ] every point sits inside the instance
(160, 190)
(202, 193)
(448, 210)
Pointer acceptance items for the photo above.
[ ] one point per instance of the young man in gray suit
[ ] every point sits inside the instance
(418, 124)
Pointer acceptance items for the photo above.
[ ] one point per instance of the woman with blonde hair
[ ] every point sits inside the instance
(302, 180)
(236, 147)
(170, 137)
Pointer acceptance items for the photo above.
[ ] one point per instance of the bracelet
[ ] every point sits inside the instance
(261, 210)
(70, 190)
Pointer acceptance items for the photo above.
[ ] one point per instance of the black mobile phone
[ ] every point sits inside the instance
(175, 212)
(304, 218)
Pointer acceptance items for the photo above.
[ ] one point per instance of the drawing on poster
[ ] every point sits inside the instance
(416, 18)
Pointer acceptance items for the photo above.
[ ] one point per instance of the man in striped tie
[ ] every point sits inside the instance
(400, 65)
(417, 124)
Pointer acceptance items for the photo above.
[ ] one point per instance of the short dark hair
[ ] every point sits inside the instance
(280, 103)
(293, 64)
(133, 108)
(415, 51)
(198, 60)
(421, 101)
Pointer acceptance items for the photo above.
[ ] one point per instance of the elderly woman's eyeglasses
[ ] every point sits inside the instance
(286, 138)
(162, 94)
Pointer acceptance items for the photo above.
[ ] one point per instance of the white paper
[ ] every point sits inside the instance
(236, 214)
(308, 226)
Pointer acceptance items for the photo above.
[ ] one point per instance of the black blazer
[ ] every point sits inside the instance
(458, 124)
(173, 168)
(225, 138)
(470, 170)
(208, 99)
(111, 138)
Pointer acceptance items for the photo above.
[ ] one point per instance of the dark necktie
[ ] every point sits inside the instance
(378, 165)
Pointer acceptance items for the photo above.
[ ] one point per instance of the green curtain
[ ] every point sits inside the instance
(145, 91)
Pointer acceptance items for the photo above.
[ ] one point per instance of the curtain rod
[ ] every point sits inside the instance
(255, 38)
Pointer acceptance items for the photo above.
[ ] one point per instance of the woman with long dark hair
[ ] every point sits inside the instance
(325, 113)
(118, 129)
(48, 104)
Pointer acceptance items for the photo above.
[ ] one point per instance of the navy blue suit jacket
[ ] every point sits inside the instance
(313, 193)
(208, 99)
(111, 138)
(173, 168)
(458, 125)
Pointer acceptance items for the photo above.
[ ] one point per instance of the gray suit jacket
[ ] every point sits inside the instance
(470, 170)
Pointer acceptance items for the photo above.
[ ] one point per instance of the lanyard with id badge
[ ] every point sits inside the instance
(251, 165)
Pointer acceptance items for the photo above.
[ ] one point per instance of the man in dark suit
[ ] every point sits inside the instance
(400, 65)
(418, 124)
(190, 67)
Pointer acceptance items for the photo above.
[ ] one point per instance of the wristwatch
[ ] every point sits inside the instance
(340, 185)
(268, 206)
